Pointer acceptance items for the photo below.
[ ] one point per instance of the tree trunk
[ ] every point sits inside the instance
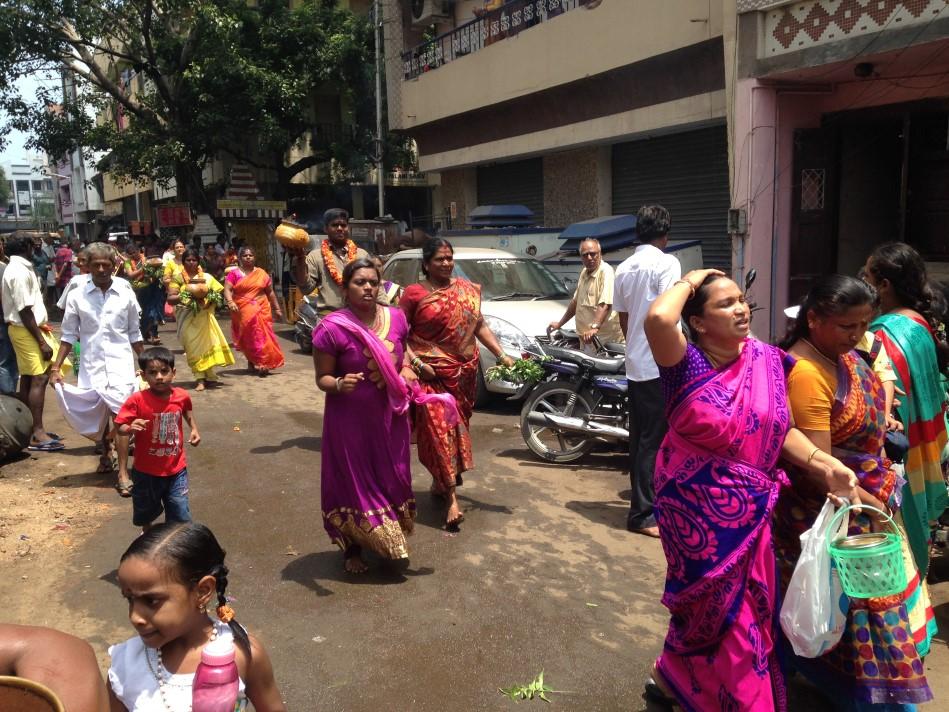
(190, 183)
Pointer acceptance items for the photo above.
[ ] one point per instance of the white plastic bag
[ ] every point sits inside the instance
(815, 607)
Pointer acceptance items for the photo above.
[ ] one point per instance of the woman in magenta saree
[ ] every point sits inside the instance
(361, 362)
(717, 483)
(248, 291)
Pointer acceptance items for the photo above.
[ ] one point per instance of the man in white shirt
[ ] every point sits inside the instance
(9, 375)
(592, 301)
(103, 316)
(25, 314)
(642, 277)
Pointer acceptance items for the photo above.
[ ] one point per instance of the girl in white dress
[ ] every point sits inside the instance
(168, 576)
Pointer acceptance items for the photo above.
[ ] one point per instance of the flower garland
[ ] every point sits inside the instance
(330, 263)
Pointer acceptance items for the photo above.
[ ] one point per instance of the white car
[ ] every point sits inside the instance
(519, 299)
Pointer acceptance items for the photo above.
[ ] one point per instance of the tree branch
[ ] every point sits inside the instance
(152, 64)
(302, 164)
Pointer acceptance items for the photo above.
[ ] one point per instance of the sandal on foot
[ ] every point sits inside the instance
(50, 445)
(124, 488)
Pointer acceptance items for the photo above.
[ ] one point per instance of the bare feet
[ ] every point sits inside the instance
(647, 531)
(200, 386)
(454, 517)
(355, 565)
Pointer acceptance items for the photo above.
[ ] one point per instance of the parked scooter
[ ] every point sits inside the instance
(582, 401)
(307, 319)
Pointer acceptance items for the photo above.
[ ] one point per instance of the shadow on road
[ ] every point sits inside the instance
(313, 443)
(104, 480)
(612, 514)
(594, 462)
(309, 570)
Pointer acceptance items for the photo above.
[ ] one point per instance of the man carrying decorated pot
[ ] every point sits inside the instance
(322, 268)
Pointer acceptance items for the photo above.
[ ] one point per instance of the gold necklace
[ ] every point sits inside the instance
(820, 353)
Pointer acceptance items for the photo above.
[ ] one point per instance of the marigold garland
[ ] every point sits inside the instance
(331, 263)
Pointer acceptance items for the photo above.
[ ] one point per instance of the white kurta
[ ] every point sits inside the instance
(106, 324)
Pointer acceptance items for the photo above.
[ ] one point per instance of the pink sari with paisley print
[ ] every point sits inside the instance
(717, 482)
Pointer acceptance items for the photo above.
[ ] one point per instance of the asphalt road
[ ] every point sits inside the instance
(541, 577)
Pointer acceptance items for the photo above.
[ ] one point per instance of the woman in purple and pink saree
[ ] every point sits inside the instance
(717, 483)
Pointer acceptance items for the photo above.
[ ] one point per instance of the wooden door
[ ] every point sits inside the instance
(813, 209)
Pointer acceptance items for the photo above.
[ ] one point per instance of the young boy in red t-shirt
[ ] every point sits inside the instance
(160, 473)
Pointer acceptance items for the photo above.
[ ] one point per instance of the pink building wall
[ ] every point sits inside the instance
(766, 115)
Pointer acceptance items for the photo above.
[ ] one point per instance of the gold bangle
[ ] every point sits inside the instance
(811, 456)
(687, 283)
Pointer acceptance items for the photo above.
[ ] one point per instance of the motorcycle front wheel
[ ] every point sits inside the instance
(556, 398)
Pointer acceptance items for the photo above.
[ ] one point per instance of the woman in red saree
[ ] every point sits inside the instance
(444, 315)
(248, 292)
(717, 483)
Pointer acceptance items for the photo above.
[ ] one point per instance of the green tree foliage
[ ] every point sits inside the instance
(183, 81)
(4, 190)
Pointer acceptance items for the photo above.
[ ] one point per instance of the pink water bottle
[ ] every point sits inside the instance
(215, 687)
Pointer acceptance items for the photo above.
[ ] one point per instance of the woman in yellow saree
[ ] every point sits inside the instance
(195, 295)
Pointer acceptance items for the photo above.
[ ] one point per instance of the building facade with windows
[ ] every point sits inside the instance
(840, 138)
(574, 108)
(32, 203)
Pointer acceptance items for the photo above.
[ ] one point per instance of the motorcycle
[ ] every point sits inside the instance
(581, 402)
(307, 319)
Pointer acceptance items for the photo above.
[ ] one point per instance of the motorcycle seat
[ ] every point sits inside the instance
(608, 365)
(615, 348)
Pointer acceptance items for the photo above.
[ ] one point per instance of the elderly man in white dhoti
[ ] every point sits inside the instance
(102, 315)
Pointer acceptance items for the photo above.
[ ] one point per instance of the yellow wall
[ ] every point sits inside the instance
(116, 190)
(572, 46)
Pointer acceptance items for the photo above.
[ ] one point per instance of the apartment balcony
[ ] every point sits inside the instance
(527, 47)
(493, 26)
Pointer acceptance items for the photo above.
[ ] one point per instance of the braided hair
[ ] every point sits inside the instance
(191, 552)
(903, 267)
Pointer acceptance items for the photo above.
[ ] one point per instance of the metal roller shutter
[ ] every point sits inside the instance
(688, 174)
(515, 183)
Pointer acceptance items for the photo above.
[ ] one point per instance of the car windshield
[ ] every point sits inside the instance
(514, 279)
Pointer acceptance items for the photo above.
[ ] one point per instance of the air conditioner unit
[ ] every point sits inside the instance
(427, 12)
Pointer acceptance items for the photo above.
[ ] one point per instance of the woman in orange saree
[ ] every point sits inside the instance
(248, 292)
(444, 315)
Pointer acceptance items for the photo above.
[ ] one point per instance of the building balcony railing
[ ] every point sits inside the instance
(507, 21)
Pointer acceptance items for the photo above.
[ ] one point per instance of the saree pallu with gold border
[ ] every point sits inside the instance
(252, 327)
(716, 486)
(878, 660)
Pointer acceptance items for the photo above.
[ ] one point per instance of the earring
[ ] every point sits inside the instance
(203, 607)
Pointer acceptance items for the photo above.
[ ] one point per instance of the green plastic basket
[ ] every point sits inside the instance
(870, 565)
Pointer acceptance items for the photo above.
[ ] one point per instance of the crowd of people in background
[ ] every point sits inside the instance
(735, 446)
